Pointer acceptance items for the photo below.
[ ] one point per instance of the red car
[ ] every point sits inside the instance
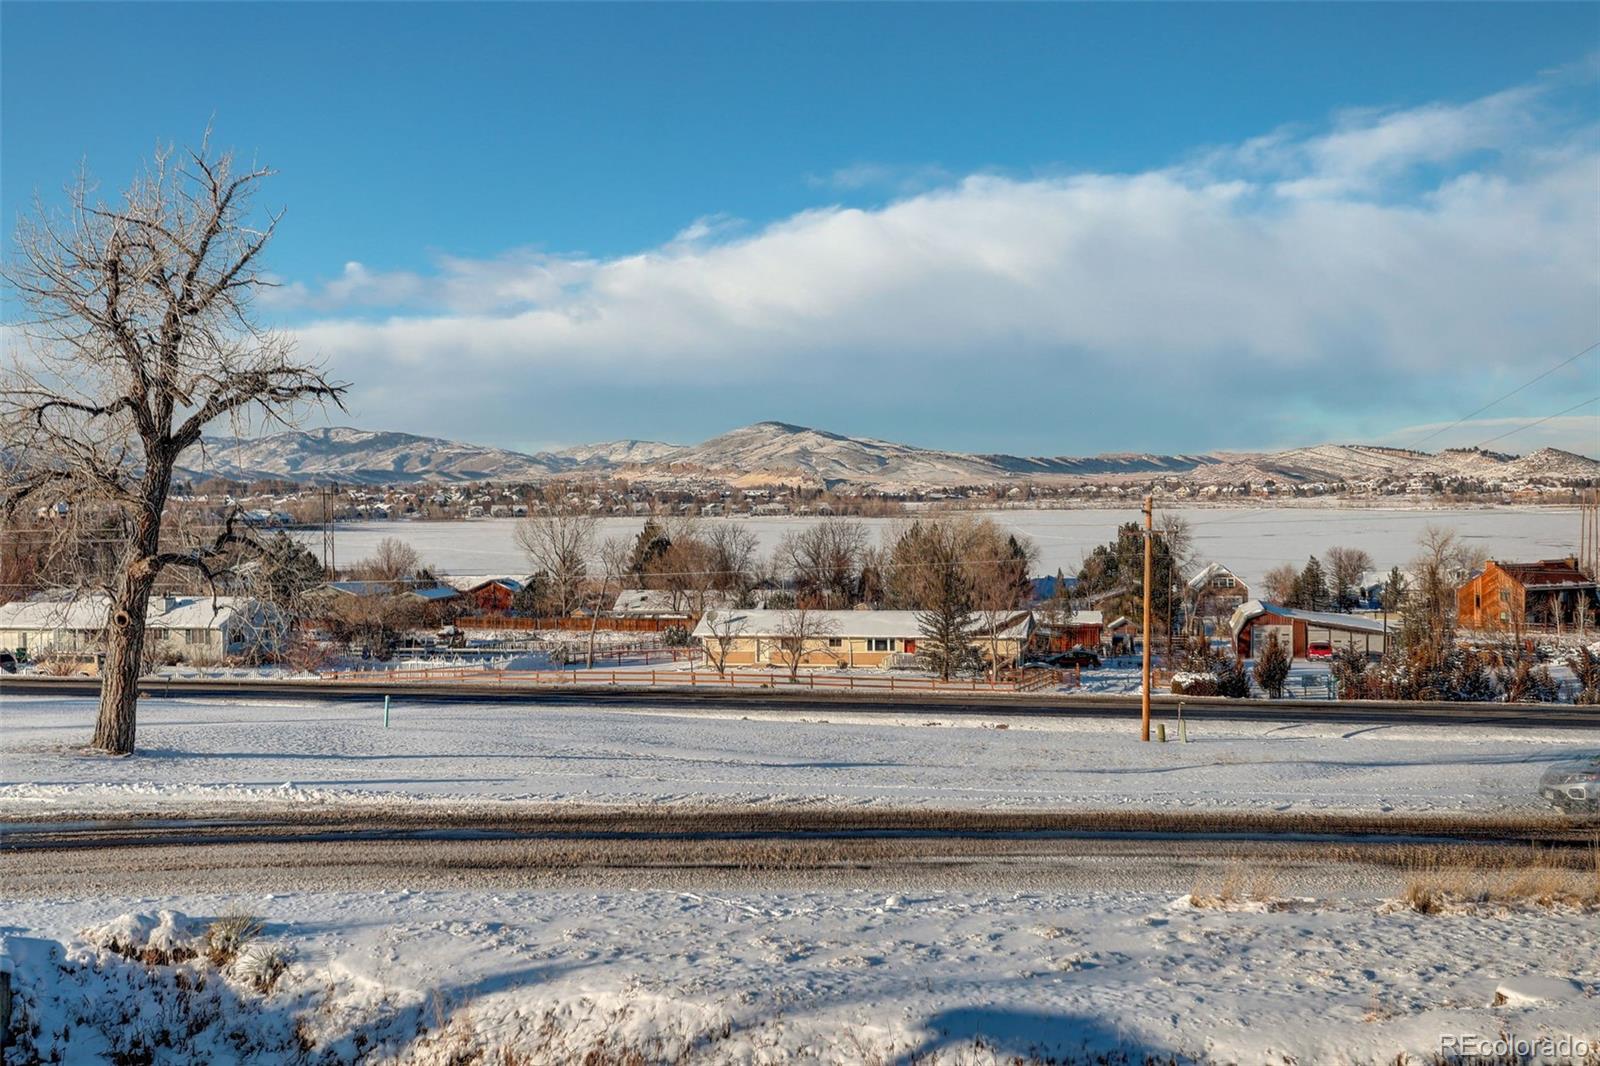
(1319, 650)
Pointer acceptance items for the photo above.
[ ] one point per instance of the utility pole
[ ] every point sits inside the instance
(328, 561)
(1149, 557)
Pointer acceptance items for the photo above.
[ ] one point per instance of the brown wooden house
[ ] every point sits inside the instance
(495, 595)
(1549, 594)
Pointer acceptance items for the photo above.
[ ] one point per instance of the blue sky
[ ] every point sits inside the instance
(1049, 229)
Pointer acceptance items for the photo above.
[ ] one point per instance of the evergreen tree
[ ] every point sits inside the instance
(651, 544)
(1311, 587)
(1272, 668)
(946, 621)
(287, 571)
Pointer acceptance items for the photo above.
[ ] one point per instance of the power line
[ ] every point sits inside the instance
(1541, 421)
(1417, 445)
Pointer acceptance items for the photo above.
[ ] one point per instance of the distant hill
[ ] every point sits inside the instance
(774, 452)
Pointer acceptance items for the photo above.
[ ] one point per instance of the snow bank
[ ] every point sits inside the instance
(848, 977)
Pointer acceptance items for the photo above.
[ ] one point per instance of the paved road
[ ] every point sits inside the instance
(1532, 716)
(592, 848)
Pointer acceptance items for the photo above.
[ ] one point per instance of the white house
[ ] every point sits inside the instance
(200, 625)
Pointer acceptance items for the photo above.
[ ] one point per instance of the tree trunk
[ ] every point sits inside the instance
(119, 680)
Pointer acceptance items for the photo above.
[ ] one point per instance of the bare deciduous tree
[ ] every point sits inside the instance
(1346, 568)
(558, 544)
(733, 556)
(825, 561)
(393, 561)
(1278, 584)
(138, 335)
(723, 629)
(613, 564)
(798, 627)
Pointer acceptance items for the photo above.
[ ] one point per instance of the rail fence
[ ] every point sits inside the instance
(1019, 681)
(615, 624)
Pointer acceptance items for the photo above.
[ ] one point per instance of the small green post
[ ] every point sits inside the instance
(386, 712)
(1161, 732)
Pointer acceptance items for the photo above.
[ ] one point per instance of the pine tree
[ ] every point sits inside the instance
(648, 547)
(1311, 587)
(946, 622)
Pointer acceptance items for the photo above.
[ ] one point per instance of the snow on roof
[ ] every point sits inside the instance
(389, 588)
(470, 582)
(1079, 618)
(89, 613)
(1200, 580)
(646, 601)
(891, 624)
(1332, 619)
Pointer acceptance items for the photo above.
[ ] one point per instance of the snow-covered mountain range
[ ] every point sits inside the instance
(776, 452)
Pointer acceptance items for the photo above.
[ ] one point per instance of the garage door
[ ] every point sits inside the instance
(1261, 636)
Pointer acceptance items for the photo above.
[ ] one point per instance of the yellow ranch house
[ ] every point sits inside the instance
(837, 639)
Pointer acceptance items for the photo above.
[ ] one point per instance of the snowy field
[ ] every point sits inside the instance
(847, 977)
(1250, 541)
(210, 753)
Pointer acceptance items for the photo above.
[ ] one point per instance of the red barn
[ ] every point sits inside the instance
(1254, 623)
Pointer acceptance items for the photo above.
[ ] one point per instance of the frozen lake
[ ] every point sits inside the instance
(1250, 541)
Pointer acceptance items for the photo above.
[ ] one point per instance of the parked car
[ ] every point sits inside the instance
(1573, 785)
(8, 662)
(1319, 650)
(1066, 660)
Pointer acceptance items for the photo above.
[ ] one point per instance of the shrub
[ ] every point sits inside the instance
(228, 935)
(261, 966)
(1586, 665)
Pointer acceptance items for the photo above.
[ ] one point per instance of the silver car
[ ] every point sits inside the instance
(1573, 785)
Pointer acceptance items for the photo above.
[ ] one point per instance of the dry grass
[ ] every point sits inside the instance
(1238, 887)
(227, 936)
(1461, 889)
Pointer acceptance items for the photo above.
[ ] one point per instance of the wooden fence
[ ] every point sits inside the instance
(1017, 681)
(615, 624)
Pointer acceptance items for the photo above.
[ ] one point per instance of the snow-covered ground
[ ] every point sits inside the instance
(208, 752)
(845, 977)
(1249, 541)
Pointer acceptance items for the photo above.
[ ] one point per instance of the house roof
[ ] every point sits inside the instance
(1331, 619)
(472, 582)
(659, 602)
(388, 588)
(646, 601)
(890, 624)
(1079, 618)
(1547, 574)
(89, 613)
(1203, 578)
(1044, 588)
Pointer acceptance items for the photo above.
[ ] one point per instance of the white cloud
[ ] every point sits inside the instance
(1516, 434)
(1292, 272)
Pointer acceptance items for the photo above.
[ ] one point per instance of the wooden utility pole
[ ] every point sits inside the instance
(1149, 559)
